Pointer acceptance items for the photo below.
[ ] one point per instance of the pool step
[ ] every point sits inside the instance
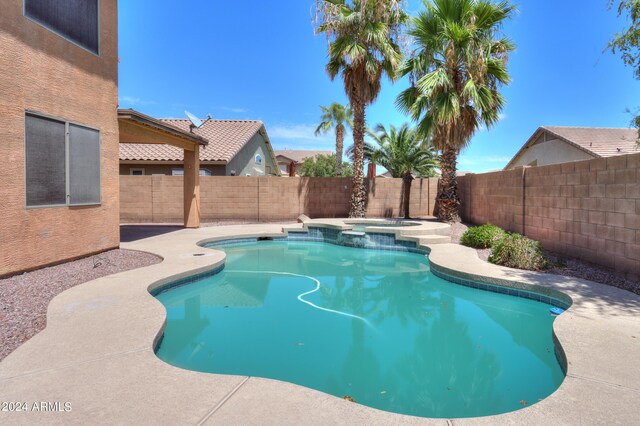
(437, 229)
(433, 239)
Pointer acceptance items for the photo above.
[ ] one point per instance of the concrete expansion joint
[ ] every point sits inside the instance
(604, 382)
(73, 364)
(222, 402)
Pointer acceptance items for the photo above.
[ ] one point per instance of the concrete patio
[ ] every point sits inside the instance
(97, 353)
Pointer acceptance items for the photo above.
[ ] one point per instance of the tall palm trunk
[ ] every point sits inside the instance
(339, 148)
(406, 183)
(357, 192)
(448, 200)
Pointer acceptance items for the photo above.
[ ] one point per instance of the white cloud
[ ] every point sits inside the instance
(235, 110)
(131, 101)
(301, 136)
(483, 160)
(301, 132)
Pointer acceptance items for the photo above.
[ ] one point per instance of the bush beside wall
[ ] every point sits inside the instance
(588, 210)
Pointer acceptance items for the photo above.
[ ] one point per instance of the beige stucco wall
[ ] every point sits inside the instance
(551, 152)
(585, 209)
(43, 72)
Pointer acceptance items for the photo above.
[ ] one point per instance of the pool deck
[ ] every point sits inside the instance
(97, 354)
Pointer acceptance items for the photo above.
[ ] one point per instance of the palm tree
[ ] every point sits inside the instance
(364, 43)
(404, 153)
(455, 72)
(336, 115)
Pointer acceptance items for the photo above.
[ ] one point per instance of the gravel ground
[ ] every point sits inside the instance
(563, 265)
(24, 298)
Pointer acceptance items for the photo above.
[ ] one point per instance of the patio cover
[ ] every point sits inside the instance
(135, 127)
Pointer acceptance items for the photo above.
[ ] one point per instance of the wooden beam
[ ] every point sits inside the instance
(131, 132)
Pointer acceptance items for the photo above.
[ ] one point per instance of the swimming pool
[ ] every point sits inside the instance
(376, 326)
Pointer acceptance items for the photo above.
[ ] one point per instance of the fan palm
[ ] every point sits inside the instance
(364, 43)
(455, 72)
(404, 153)
(336, 116)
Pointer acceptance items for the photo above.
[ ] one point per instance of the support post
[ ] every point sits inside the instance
(371, 171)
(524, 199)
(192, 188)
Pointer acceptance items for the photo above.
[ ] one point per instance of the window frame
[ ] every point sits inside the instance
(59, 34)
(256, 159)
(136, 169)
(67, 182)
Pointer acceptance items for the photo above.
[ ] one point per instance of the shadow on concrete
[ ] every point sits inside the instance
(605, 299)
(130, 233)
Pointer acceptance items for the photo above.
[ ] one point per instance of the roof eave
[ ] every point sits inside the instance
(525, 146)
(140, 118)
(534, 137)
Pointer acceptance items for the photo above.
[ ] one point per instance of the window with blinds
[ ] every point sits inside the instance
(84, 165)
(62, 163)
(45, 161)
(76, 20)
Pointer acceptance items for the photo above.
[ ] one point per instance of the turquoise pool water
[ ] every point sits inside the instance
(373, 325)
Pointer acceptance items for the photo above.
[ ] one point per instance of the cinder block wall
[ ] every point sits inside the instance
(45, 73)
(586, 209)
(158, 199)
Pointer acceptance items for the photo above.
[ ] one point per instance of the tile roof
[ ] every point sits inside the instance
(299, 155)
(225, 139)
(598, 141)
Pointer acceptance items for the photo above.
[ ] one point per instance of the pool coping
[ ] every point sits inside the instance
(97, 352)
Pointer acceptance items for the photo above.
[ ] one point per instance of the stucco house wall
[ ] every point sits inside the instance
(297, 157)
(554, 151)
(283, 164)
(244, 162)
(167, 168)
(45, 73)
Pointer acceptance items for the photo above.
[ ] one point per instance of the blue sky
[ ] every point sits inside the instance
(261, 60)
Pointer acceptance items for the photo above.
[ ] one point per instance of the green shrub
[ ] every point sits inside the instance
(516, 251)
(483, 236)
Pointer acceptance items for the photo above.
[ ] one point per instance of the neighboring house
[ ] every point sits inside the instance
(554, 144)
(294, 158)
(385, 175)
(58, 131)
(235, 148)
